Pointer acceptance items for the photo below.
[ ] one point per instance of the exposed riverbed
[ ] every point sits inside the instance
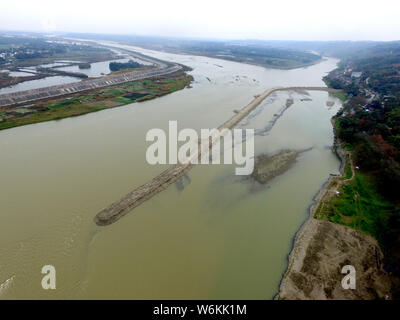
(213, 235)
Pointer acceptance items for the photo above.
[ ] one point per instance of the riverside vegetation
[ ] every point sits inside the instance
(93, 100)
(369, 128)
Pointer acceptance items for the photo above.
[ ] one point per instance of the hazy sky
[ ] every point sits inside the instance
(272, 20)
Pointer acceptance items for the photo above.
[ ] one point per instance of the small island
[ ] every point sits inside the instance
(116, 66)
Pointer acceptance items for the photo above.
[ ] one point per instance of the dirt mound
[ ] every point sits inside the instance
(315, 264)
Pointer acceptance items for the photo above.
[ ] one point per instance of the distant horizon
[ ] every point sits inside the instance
(60, 33)
(308, 20)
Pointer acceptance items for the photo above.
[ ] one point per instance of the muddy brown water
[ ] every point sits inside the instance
(212, 235)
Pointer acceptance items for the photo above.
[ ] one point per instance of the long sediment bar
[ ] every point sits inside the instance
(136, 197)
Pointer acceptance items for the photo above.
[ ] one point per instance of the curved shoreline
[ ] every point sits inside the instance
(320, 249)
(315, 202)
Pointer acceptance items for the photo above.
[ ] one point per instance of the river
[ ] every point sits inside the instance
(220, 237)
(97, 69)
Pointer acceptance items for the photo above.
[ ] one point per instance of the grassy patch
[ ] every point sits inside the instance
(348, 172)
(169, 80)
(113, 92)
(123, 100)
(95, 100)
(63, 103)
(327, 82)
(348, 146)
(57, 113)
(359, 206)
(341, 95)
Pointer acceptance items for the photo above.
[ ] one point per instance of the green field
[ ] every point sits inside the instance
(94, 100)
(360, 206)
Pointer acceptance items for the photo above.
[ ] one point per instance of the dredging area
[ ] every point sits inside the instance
(136, 197)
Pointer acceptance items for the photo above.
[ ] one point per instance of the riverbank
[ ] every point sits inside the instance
(93, 100)
(321, 248)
